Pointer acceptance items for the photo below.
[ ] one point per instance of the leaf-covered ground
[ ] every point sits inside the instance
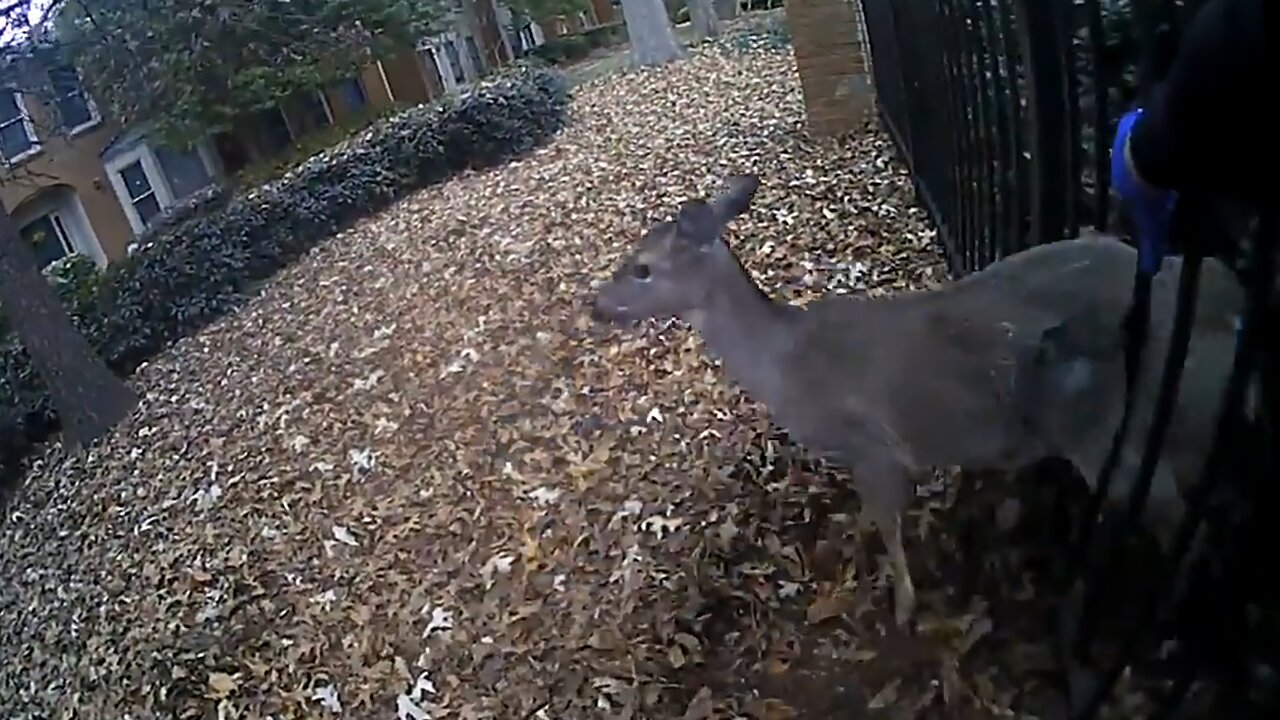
(413, 480)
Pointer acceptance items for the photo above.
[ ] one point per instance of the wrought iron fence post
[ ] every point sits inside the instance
(988, 115)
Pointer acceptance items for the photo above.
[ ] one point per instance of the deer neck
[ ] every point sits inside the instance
(748, 331)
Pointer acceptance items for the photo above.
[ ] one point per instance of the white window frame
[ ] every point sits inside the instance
(294, 133)
(95, 117)
(71, 218)
(60, 230)
(586, 20)
(328, 108)
(324, 100)
(455, 41)
(156, 176)
(30, 128)
(444, 67)
(529, 43)
(382, 75)
(469, 62)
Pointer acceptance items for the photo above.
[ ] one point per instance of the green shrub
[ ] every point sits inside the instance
(566, 48)
(173, 284)
(576, 47)
(76, 280)
(603, 36)
(308, 146)
(199, 203)
(767, 30)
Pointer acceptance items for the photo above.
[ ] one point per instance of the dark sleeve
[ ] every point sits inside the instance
(1209, 125)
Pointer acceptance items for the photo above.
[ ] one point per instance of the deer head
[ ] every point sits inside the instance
(676, 263)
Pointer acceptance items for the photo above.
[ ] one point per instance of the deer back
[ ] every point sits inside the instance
(934, 375)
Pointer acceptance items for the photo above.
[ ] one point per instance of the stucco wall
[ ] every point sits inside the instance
(76, 163)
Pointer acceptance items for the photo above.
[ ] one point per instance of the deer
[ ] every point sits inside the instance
(1011, 364)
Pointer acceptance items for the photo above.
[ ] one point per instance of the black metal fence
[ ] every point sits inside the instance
(1004, 111)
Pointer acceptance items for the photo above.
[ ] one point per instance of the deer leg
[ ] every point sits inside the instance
(904, 592)
(885, 490)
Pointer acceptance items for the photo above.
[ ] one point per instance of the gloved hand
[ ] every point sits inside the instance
(1148, 208)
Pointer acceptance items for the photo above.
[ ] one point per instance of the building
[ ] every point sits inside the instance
(75, 181)
(594, 14)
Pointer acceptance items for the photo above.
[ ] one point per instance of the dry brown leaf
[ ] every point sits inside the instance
(221, 685)
(826, 607)
(701, 706)
(429, 381)
(773, 709)
(887, 696)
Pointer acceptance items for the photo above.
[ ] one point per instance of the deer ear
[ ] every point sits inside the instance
(736, 198)
(696, 223)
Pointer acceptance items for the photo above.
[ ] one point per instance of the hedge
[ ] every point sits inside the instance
(175, 282)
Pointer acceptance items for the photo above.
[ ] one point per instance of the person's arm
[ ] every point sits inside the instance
(1207, 126)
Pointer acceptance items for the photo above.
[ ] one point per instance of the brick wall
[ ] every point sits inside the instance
(834, 75)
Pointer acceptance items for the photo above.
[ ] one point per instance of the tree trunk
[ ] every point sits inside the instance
(87, 396)
(702, 14)
(653, 40)
(727, 9)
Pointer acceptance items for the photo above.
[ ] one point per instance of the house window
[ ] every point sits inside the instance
(76, 112)
(140, 192)
(313, 111)
(528, 40)
(584, 20)
(473, 51)
(274, 135)
(433, 66)
(17, 136)
(352, 94)
(455, 62)
(48, 238)
(184, 170)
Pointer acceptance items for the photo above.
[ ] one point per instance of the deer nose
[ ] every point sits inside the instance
(603, 310)
(597, 314)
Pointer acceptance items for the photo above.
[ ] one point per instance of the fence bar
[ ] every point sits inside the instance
(1065, 20)
(1101, 119)
(1040, 45)
(1002, 116)
(956, 209)
(1247, 345)
(985, 100)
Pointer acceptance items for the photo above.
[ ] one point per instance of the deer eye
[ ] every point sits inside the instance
(640, 271)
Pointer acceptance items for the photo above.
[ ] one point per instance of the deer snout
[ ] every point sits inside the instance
(602, 308)
(610, 306)
(605, 312)
(599, 313)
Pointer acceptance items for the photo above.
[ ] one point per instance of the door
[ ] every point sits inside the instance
(48, 238)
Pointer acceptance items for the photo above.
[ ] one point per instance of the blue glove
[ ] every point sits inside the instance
(1148, 208)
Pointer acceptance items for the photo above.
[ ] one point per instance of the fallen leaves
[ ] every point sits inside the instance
(221, 685)
(521, 514)
(827, 607)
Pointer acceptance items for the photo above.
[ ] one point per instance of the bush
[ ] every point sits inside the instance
(173, 284)
(308, 146)
(566, 48)
(75, 279)
(201, 202)
(766, 30)
(603, 36)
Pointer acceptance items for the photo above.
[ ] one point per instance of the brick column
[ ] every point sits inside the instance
(834, 73)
